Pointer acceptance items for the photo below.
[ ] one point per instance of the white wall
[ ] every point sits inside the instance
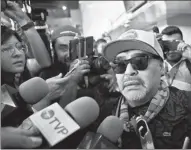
(182, 21)
(97, 16)
(162, 14)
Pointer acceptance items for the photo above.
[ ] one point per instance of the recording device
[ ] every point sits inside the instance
(56, 124)
(186, 143)
(39, 16)
(106, 137)
(83, 47)
(144, 133)
(16, 103)
(170, 50)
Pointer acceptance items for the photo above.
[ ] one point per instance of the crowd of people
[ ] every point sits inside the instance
(148, 75)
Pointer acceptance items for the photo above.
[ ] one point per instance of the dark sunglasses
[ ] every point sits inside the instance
(139, 62)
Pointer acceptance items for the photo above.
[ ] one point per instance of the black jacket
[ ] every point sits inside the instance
(169, 128)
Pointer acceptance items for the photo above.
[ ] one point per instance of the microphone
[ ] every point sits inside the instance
(108, 133)
(16, 103)
(144, 133)
(186, 143)
(56, 124)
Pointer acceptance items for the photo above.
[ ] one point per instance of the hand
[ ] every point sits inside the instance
(112, 80)
(14, 12)
(57, 86)
(28, 125)
(185, 49)
(5, 20)
(77, 69)
(19, 138)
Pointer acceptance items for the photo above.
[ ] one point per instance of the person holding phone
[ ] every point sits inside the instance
(177, 59)
(61, 38)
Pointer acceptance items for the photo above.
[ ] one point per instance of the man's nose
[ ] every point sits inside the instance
(130, 71)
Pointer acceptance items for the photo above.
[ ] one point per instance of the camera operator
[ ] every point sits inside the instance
(60, 43)
(177, 58)
(62, 63)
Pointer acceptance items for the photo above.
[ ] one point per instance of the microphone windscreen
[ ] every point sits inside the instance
(84, 111)
(111, 128)
(33, 90)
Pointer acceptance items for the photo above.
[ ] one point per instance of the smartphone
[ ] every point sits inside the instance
(170, 45)
(73, 49)
(82, 48)
(89, 41)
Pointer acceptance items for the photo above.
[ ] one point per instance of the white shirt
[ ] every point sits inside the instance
(178, 75)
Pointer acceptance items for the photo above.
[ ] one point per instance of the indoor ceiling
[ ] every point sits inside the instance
(54, 7)
(54, 4)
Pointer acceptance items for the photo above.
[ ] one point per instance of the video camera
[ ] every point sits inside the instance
(83, 47)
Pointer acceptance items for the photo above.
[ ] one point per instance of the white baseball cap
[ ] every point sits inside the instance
(133, 40)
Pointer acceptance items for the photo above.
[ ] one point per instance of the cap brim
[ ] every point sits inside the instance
(111, 50)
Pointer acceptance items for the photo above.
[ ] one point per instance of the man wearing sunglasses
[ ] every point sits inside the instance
(138, 60)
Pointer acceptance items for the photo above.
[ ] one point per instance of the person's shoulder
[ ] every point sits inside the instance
(180, 97)
(179, 92)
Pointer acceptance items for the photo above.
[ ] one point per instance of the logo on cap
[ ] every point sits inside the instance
(47, 114)
(129, 35)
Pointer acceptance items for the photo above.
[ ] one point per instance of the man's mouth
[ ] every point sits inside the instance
(131, 83)
(18, 62)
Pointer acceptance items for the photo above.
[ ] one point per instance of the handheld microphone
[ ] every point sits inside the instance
(144, 133)
(108, 133)
(186, 143)
(56, 124)
(16, 103)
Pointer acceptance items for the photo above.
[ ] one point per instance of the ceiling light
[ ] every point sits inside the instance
(64, 7)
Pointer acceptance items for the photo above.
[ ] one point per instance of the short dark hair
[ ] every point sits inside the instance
(99, 41)
(6, 33)
(170, 30)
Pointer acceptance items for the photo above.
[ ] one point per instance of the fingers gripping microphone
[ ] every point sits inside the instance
(107, 135)
(16, 102)
(56, 124)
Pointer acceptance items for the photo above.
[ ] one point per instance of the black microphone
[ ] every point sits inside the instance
(56, 123)
(16, 103)
(106, 137)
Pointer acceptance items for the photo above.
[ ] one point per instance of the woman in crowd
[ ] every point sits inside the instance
(13, 58)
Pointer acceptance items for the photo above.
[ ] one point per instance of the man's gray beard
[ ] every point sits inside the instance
(136, 96)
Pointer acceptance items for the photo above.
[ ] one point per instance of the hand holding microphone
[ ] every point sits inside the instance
(58, 87)
(20, 138)
(17, 103)
(56, 124)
